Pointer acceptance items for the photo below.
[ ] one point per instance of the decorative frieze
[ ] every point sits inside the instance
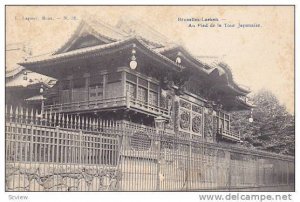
(196, 124)
(185, 104)
(140, 141)
(208, 127)
(184, 122)
(62, 178)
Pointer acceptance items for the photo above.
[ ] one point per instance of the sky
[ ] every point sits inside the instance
(260, 56)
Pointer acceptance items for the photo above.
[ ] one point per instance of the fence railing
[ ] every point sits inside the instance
(59, 152)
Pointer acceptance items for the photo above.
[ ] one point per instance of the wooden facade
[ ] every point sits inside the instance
(113, 75)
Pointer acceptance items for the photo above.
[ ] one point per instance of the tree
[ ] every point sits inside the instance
(273, 128)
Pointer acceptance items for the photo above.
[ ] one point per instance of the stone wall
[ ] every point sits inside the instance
(53, 177)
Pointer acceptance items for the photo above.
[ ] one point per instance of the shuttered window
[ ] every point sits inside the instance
(142, 94)
(144, 89)
(131, 89)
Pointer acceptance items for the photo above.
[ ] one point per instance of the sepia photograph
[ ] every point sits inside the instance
(149, 98)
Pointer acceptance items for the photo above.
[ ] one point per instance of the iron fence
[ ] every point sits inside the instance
(59, 152)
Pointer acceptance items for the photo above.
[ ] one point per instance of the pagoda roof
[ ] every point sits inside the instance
(14, 72)
(37, 62)
(100, 29)
(36, 98)
(238, 103)
(152, 37)
(123, 36)
(16, 79)
(17, 76)
(219, 68)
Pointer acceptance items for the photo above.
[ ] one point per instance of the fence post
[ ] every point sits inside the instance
(257, 171)
(229, 172)
(80, 146)
(188, 185)
(158, 172)
(57, 143)
(158, 161)
(31, 140)
(287, 173)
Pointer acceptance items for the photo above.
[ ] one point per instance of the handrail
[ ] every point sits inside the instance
(228, 133)
(82, 104)
(148, 106)
(107, 101)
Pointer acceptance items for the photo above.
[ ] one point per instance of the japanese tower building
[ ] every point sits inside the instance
(134, 73)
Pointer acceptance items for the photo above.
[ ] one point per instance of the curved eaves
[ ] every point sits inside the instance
(221, 69)
(90, 51)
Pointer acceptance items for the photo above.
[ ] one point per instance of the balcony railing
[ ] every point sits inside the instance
(245, 99)
(138, 104)
(92, 105)
(86, 105)
(229, 134)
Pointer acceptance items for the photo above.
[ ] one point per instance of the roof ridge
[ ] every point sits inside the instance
(92, 24)
(80, 50)
(107, 25)
(12, 72)
(100, 34)
(76, 31)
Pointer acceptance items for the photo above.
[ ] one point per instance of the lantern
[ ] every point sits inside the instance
(41, 89)
(160, 123)
(133, 63)
(251, 116)
(178, 60)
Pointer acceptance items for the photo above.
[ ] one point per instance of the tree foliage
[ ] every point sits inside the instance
(273, 128)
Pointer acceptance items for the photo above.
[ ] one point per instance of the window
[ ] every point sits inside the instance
(223, 120)
(142, 94)
(131, 89)
(96, 87)
(113, 90)
(113, 85)
(65, 93)
(142, 89)
(153, 98)
(153, 87)
(130, 77)
(143, 82)
(153, 94)
(131, 81)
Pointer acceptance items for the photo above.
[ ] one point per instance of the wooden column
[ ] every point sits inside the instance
(124, 82)
(104, 85)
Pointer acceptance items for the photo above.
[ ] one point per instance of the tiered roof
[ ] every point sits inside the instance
(18, 76)
(106, 38)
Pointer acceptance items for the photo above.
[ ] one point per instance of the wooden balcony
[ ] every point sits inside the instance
(229, 134)
(106, 104)
(140, 105)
